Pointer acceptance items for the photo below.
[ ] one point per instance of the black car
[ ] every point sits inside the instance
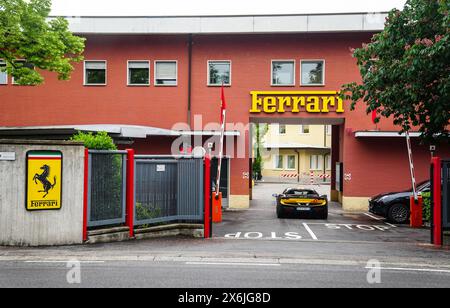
(301, 202)
(395, 206)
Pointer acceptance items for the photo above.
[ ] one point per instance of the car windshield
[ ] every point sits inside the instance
(301, 192)
(420, 187)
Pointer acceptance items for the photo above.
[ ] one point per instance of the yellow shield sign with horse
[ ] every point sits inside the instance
(44, 180)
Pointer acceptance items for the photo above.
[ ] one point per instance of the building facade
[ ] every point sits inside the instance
(299, 153)
(150, 80)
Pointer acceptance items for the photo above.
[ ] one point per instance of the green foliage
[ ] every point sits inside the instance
(426, 206)
(25, 33)
(260, 131)
(406, 69)
(100, 141)
(144, 212)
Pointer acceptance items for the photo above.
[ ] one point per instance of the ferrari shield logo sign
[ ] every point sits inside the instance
(44, 179)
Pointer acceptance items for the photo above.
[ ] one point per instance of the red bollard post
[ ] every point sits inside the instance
(207, 198)
(130, 191)
(437, 209)
(85, 194)
(416, 210)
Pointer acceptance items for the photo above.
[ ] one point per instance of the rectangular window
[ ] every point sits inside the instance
(95, 73)
(219, 72)
(166, 73)
(138, 73)
(304, 129)
(283, 73)
(291, 162)
(316, 162)
(328, 162)
(3, 75)
(282, 129)
(278, 162)
(313, 73)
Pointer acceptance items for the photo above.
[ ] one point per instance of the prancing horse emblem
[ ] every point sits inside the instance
(43, 178)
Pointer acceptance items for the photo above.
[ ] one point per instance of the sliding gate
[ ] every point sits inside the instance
(168, 189)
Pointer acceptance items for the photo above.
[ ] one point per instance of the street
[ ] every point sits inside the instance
(250, 249)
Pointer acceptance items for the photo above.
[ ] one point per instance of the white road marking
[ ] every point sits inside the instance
(64, 262)
(409, 269)
(232, 264)
(314, 237)
(379, 219)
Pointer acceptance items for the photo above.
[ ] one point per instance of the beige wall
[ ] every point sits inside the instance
(59, 227)
(317, 137)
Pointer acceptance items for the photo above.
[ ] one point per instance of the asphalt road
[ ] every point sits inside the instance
(251, 249)
(212, 275)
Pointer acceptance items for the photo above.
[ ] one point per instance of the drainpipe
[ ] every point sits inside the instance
(189, 112)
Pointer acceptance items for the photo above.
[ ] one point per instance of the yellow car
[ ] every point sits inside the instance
(297, 202)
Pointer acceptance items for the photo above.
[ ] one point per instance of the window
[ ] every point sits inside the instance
(278, 162)
(328, 162)
(166, 73)
(3, 75)
(219, 72)
(22, 64)
(304, 129)
(313, 73)
(315, 162)
(328, 129)
(283, 73)
(291, 162)
(282, 129)
(95, 73)
(138, 73)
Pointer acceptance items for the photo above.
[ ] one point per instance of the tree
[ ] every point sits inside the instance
(27, 35)
(405, 70)
(260, 131)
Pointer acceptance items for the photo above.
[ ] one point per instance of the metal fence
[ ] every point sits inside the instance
(168, 189)
(446, 194)
(106, 188)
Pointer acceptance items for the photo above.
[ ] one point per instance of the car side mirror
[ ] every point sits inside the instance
(275, 195)
(324, 196)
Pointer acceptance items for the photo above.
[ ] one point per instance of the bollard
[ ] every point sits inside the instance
(416, 210)
(217, 207)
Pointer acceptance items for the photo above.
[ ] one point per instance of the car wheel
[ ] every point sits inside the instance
(280, 213)
(398, 213)
(324, 215)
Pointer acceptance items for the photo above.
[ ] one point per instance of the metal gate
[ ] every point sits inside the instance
(168, 189)
(446, 194)
(106, 188)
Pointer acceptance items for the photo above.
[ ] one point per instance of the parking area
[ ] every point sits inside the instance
(260, 223)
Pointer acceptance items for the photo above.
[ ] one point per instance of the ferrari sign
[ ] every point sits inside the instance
(44, 179)
(296, 102)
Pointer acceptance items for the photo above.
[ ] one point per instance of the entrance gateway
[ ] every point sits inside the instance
(304, 108)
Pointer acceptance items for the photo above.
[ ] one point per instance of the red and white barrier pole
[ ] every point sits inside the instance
(130, 191)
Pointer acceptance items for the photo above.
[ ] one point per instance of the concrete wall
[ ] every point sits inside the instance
(22, 228)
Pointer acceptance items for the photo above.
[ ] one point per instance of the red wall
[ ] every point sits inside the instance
(63, 103)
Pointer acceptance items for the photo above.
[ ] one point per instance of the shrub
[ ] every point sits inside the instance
(99, 141)
(426, 206)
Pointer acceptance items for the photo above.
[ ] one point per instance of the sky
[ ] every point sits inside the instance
(214, 7)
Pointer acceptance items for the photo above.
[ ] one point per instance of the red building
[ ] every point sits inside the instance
(144, 75)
